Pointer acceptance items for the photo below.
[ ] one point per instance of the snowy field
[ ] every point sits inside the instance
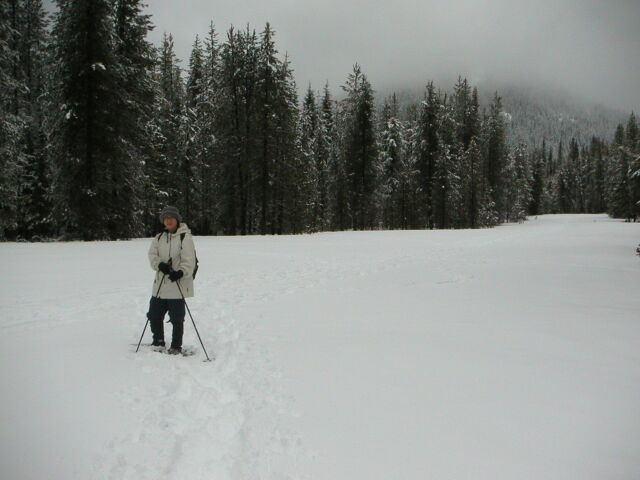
(510, 353)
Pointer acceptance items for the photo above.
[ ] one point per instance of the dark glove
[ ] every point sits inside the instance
(175, 275)
(164, 268)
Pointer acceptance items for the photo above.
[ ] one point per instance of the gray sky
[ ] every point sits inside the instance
(591, 47)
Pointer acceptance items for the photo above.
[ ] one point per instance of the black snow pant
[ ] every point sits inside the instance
(158, 307)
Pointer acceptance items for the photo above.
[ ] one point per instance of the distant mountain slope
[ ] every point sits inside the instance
(553, 115)
(534, 114)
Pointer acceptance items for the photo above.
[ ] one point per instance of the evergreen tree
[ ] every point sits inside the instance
(95, 179)
(261, 182)
(632, 151)
(597, 177)
(466, 111)
(517, 181)
(393, 183)
(268, 70)
(473, 184)
(334, 122)
(309, 145)
(495, 152)
(249, 152)
(466, 106)
(573, 176)
(245, 106)
(135, 127)
(536, 207)
(291, 181)
(191, 154)
(169, 110)
(448, 202)
(33, 185)
(326, 157)
(427, 152)
(11, 123)
(360, 149)
(565, 186)
(619, 201)
(409, 175)
(632, 136)
(548, 205)
(207, 141)
(229, 129)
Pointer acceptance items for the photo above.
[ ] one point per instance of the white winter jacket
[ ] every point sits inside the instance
(183, 257)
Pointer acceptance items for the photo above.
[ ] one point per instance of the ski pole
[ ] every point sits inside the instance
(192, 321)
(147, 322)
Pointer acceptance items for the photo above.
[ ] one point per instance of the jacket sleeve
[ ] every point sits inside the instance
(154, 256)
(187, 256)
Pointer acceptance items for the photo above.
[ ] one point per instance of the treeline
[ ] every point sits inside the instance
(100, 129)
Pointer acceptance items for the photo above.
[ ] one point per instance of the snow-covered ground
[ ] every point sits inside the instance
(510, 353)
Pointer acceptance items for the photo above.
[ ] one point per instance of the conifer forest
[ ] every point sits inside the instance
(99, 129)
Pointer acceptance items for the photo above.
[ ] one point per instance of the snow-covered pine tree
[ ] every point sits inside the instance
(155, 194)
(569, 181)
(550, 171)
(33, 183)
(407, 198)
(267, 123)
(448, 202)
(94, 177)
(494, 150)
(360, 148)
(536, 207)
(392, 185)
(207, 137)
(632, 135)
(136, 126)
(554, 183)
(291, 180)
(632, 145)
(466, 107)
(190, 152)
(250, 148)
(326, 157)
(617, 184)
(467, 118)
(240, 55)
(596, 186)
(580, 171)
(309, 133)
(340, 214)
(409, 186)
(549, 183)
(517, 181)
(169, 111)
(472, 124)
(387, 161)
(11, 122)
(472, 184)
(427, 151)
(569, 175)
(228, 121)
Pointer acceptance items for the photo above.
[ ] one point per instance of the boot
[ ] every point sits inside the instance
(176, 337)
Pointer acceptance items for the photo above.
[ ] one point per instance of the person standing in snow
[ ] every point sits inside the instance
(172, 256)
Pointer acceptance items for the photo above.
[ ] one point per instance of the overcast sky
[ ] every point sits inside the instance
(589, 46)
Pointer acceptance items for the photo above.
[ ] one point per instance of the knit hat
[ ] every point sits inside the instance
(170, 212)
